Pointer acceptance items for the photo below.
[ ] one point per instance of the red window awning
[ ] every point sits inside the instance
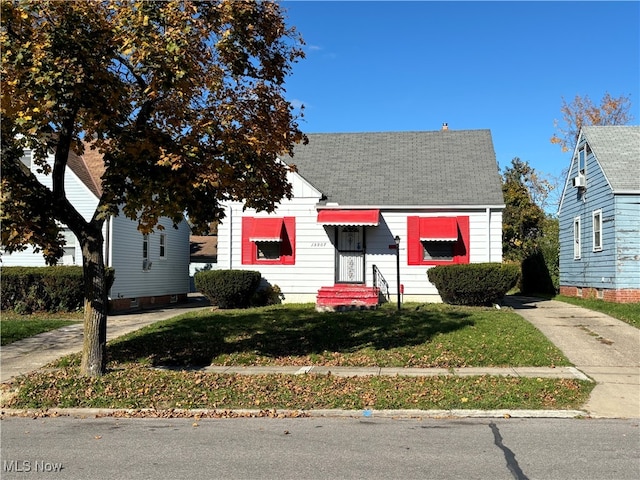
(266, 230)
(367, 218)
(438, 229)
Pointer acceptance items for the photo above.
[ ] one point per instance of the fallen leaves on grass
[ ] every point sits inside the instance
(140, 388)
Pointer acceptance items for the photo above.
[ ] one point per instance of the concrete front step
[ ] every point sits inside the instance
(347, 297)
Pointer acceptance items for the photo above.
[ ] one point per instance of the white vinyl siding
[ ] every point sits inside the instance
(315, 264)
(84, 201)
(167, 277)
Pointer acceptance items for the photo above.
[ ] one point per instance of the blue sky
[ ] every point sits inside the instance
(505, 66)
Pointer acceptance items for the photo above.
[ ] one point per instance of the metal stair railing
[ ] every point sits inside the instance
(381, 284)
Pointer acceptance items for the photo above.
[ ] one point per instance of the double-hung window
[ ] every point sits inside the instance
(597, 231)
(163, 246)
(69, 256)
(146, 264)
(582, 160)
(576, 239)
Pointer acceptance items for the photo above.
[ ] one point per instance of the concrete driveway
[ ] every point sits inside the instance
(606, 349)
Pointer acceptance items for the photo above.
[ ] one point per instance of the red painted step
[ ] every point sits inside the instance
(347, 296)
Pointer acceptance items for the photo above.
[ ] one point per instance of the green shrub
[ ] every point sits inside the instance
(269, 295)
(228, 288)
(52, 289)
(474, 283)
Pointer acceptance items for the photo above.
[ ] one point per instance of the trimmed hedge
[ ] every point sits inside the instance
(228, 288)
(52, 289)
(474, 283)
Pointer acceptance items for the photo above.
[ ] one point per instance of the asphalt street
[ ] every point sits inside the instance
(319, 448)
(599, 444)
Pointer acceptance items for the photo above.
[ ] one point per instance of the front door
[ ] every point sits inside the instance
(350, 254)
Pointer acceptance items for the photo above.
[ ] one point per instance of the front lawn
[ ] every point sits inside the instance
(418, 336)
(430, 335)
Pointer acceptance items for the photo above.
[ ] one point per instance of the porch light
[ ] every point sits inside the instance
(397, 240)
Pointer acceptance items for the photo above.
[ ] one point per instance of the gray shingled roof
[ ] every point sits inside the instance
(617, 149)
(447, 167)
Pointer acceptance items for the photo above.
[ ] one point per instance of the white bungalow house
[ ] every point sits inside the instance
(150, 270)
(600, 216)
(362, 199)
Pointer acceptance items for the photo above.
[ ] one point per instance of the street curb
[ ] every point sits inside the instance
(363, 415)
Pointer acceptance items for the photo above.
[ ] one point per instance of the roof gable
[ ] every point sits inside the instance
(617, 150)
(429, 168)
(89, 168)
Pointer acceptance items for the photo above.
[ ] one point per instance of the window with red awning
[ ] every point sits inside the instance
(437, 240)
(268, 240)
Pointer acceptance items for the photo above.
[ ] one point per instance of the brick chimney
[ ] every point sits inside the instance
(445, 126)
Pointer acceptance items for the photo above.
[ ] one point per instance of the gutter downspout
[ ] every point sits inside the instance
(107, 243)
(230, 237)
(107, 247)
(489, 234)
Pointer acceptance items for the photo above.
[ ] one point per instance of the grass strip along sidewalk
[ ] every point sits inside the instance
(430, 335)
(14, 327)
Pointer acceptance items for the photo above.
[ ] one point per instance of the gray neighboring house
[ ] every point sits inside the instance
(334, 242)
(600, 216)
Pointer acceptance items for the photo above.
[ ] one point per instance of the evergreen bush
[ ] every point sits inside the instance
(267, 295)
(474, 283)
(228, 288)
(53, 289)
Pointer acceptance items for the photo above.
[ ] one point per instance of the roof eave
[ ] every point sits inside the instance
(320, 206)
(626, 192)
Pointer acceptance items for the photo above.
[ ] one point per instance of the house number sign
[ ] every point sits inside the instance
(318, 244)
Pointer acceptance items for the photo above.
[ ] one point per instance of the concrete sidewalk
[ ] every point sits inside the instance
(605, 349)
(33, 353)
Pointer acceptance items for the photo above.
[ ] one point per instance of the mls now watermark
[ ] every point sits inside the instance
(28, 466)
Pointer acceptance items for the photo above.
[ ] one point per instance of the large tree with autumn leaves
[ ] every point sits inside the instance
(184, 99)
(581, 111)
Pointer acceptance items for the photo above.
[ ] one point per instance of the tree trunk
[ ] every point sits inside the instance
(94, 360)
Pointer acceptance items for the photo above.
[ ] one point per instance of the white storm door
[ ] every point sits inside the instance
(350, 255)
